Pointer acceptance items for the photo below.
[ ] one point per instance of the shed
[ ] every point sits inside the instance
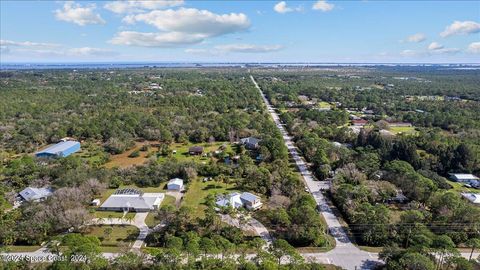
(61, 149)
(175, 184)
(195, 150)
(95, 202)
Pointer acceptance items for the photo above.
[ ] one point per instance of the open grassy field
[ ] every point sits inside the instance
(199, 190)
(124, 161)
(403, 130)
(117, 237)
(181, 149)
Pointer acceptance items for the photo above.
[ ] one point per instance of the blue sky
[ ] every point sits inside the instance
(240, 31)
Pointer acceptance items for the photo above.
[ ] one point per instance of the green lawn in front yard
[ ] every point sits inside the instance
(199, 190)
(182, 151)
(112, 214)
(118, 236)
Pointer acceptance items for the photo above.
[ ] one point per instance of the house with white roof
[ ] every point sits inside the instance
(463, 177)
(175, 184)
(132, 200)
(237, 200)
(472, 197)
(31, 194)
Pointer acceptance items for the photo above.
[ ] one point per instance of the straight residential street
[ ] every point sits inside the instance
(345, 254)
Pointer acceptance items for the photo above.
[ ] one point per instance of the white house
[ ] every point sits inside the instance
(237, 200)
(175, 184)
(463, 177)
(473, 197)
(30, 194)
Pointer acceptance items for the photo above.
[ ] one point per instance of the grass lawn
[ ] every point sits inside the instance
(199, 190)
(150, 220)
(324, 105)
(94, 153)
(124, 161)
(182, 151)
(119, 236)
(112, 214)
(21, 248)
(459, 187)
(403, 130)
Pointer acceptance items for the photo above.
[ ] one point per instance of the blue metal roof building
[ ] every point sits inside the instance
(62, 149)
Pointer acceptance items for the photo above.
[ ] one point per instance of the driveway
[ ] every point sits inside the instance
(250, 225)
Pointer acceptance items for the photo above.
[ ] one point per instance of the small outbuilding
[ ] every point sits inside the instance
(61, 149)
(31, 194)
(195, 150)
(175, 184)
(95, 202)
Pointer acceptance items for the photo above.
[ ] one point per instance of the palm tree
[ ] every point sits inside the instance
(473, 243)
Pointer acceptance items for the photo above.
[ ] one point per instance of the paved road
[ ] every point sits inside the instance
(345, 254)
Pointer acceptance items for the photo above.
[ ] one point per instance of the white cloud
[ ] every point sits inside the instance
(79, 15)
(435, 46)
(418, 37)
(461, 28)
(170, 39)
(281, 7)
(409, 53)
(181, 27)
(474, 47)
(323, 6)
(139, 6)
(248, 48)
(4, 42)
(89, 51)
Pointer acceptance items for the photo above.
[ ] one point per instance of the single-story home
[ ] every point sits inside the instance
(132, 200)
(237, 200)
(195, 150)
(463, 177)
(250, 142)
(472, 197)
(61, 149)
(31, 194)
(175, 184)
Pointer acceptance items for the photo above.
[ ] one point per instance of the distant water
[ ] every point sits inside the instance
(29, 66)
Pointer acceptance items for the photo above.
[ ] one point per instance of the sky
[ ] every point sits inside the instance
(240, 31)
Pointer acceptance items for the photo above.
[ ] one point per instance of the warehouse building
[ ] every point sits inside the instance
(62, 149)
